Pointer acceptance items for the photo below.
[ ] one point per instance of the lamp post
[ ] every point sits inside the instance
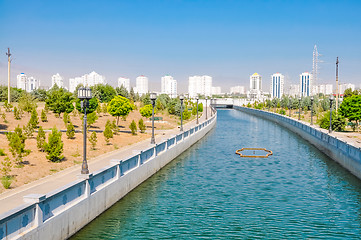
(299, 108)
(181, 98)
(211, 107)
(289, 108)
(153, 97)
(206, 108)
(84, 94)
(330, 128)
(197, 109)
(311, 110)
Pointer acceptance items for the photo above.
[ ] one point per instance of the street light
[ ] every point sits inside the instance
(299, 110)
(181, 98)
(289, 108)
(330, 128)
(211, 107)
(311, 110)
(206, 108)
(84, 94)
(153, 97)
(197, 109)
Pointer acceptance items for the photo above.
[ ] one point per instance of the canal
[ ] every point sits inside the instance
(210, 192)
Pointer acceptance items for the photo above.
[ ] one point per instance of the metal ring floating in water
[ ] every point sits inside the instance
(269, 152)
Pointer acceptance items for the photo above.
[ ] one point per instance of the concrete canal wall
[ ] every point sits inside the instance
(60, 214)
(342, 152)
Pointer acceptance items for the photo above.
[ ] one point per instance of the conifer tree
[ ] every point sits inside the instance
(17, 144)
(133, 127)
(34, 119)
(43, 116)
(141, 125)
(93, 139)
(108, 133)
(54, 147)
(40, 139)
(70, 131)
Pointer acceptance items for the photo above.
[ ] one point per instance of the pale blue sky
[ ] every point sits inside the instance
(226, 39)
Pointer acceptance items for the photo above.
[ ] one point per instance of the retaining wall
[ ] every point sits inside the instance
(60, 214)
(342, 152)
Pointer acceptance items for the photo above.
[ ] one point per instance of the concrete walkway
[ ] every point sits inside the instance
(14, 197)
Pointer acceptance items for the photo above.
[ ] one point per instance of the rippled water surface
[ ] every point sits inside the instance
(210, 192)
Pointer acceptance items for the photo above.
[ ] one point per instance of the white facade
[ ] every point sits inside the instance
(169, 86)
(255, 86)
(325, 89)
(125, 82)
(199, 85)
(238, 90)
(277, 84)
(305, 84)
(58, 80)
(88, 80)
(294, 90)
(216, 90)
(141, 85)
(27, 83)
(343, 87)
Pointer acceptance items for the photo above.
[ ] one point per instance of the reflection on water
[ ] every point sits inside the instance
(210, 192)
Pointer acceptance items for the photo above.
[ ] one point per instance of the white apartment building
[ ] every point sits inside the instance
(199, 85)
(169, 86)
(277, 84)
(294, 90)
(305, 84)
(141, 85)
(255, 86)
(58, 80)
(343, 87)
(216, 91)
(27, 83)
(237, 90)
(125, 82)
(325, 89)
(88, 80)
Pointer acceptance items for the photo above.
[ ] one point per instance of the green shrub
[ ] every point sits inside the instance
(66, 119)
(6, 181)
(186, 114)
(17, 144)
(17, 113)
(3, 115)
(114, 127)
(338, 121)
(108, 133)
(40, 139)
(28, 130)
(43, 116)
(54, 147)
(2, 153)
(34, 121)
(70, 131)
(7, 106)
(133, 127)
(141, 126)
(93, 140)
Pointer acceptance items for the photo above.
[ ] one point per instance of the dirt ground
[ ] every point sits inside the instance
(37, 166)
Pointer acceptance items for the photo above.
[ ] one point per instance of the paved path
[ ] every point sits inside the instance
(14, 197)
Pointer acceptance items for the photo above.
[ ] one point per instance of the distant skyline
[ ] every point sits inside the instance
(228, 40)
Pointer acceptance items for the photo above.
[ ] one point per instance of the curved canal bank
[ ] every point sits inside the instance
(210, 192)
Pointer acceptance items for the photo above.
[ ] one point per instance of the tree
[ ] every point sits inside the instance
(133, 127)
(200, 107)
(17, 144)
(34, 119)
(186, 114)
(146, 111)
(104, 93)
(93, 140)
(351, 108)
(132, 95)
(3, 115)
(122, 91)
(6, 179)
(28, 130)
(17, 113)
(120, 106)
(93, 104)
(7, 106)
(70, 131)
(27, 102)
(108, 133)
(40, 139)
(66, 118)
(141, 125)
(43, 116)
(39, 94)
(338, 121)
(54, 147)
(145, 99)
(162, 101)
(60, 101)
(114, 127)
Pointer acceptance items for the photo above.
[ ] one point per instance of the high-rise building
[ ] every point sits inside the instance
(305, 84)
(277, 84)
(58, 80)
(141, 85)
(255, 86)
(199, 85)
(238, 90)
(216, 90)
(27, 83)
(125, 82)
(294, 90)
(325, 89)
(345, 86)
(169, 86)
(88, 80)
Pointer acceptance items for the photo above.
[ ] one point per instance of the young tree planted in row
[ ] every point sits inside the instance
(54, 147)
(40, 139)
(93, 140)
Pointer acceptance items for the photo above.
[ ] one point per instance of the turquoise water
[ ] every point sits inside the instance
(210, 192)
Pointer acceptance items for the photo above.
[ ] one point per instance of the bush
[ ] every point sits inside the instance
(28, 130)
(141, 126)
(54, 147)
(17, 113)
(338, 122)
(283, 112)
(7, 106)
(6, 181)
(133, 128)
(66, 118)
(186, 114)
(34, 119)
(108, 133)
(93, 139)
(2, 153)
(114, 127)
(4, 118)
(70, 131)
(17, 144)
(43, 116)
(40, 139)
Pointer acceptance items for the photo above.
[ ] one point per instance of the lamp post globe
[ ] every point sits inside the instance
(197, 98)
(153, 98)
(181, 98)
(84, 94)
